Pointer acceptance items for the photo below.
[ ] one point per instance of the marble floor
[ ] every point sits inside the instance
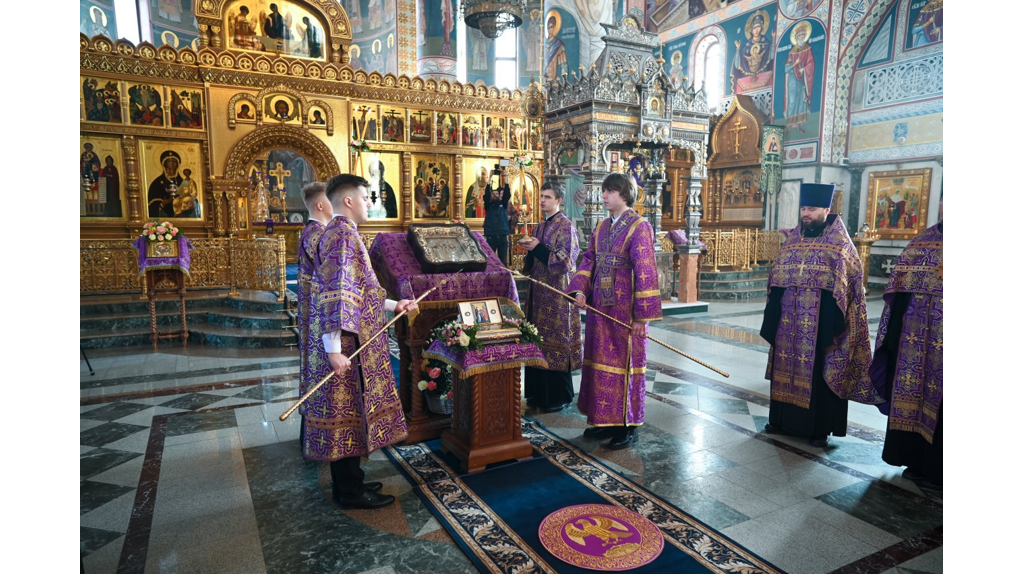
(185, 467)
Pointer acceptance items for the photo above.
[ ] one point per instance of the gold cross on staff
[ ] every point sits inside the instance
(736, 131)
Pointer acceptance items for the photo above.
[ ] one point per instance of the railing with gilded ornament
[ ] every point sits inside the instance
(740, 248)
(111, 266)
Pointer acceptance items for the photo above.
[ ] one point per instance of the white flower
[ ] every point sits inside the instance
(167, 237)
(422, 385)
(464, 340)
(152, 237)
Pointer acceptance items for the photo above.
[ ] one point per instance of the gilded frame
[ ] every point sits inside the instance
(388, 115)
(424, 167)
(898, 202)
(365, 121)
(135, 99)
(101, 98)
(97, 172)
(152, 170)
(472, 128)
(182, 102)
(426, 133)
(470, 169)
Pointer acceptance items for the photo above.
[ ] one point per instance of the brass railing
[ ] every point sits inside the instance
(111, 265)
(739, 248)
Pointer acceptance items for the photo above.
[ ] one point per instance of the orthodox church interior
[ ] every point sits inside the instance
(202, 120)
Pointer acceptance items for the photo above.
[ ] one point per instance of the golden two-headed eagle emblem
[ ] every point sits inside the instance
(598, 526)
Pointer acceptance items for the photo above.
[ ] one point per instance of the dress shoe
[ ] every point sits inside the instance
(555, 408)
(819, 441)
(624, 438)
(913, 474)
(365, 499)
(373, 486)
(772, 429)
(600, 432)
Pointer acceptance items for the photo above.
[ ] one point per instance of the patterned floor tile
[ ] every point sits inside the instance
(108, 433)
(263, 393)
(93, 495)
(669, 388)
(192, 401)
(896, 512)
(733, 406)
(114, 411)
(92, 539)
(102, 459)
(200, 422)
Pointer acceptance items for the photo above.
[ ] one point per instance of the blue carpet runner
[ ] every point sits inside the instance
(494, 515)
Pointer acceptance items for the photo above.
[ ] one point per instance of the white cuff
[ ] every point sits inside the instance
(332, 342)
(390, 304)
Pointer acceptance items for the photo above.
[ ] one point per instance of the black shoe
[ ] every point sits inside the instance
(772, 429)
(929, 485)
(913, 474)
(600, 432)
(819, 441)
(365, 499)
(624, 438)
(373, 486)
(555, 408)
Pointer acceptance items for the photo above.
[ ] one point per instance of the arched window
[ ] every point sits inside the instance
(506, 66)
(709, 70)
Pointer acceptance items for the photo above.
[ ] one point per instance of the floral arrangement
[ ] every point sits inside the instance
(522, 160)
(359, 145)
(159, 231)
(437, 379)
(458, 336)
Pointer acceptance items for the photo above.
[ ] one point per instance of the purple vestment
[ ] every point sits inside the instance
(359, 413)
(556, 318)
(915, 375)
(806, 266)
(619, 277)
(312, 360)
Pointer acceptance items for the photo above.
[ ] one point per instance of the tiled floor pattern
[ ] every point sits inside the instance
(188, 469)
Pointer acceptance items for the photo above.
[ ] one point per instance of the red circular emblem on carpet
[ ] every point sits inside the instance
(601, 537)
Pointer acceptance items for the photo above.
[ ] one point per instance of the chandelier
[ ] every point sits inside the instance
(492, 17)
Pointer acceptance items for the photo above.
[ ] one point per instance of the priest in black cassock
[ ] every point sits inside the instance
(816, 324)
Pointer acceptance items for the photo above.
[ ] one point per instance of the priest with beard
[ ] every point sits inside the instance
(816, 323)
(907, 368)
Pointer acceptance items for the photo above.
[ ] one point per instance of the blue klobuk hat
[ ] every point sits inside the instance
(816, 194)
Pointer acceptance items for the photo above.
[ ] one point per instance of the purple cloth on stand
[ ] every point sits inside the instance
(400, 273)
(182, 261)
(487, 358)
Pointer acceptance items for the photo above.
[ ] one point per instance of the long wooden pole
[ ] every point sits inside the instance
(369, 339)
(614, 320)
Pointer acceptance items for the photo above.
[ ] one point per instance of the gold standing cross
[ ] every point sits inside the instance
(736, 133)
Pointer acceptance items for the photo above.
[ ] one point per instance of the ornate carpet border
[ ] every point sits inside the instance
(497, 548)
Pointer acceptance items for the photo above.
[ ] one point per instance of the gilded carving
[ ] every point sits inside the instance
(267, 138)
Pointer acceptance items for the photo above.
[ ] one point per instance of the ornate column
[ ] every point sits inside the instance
(232, 198)
(407, 189)
(853, 215)
(218, 213)
(136, 210)
(458, 208)
(864, 239)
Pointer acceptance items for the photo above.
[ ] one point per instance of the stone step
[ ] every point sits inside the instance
(733, 294)
(254, 301)
(226, 316)
(757, 272)
(735, 285)
(222, 336)
(128, 337)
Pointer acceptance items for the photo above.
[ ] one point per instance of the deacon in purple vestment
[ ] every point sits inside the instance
(551, 256)
(907, 368)
(816, 323)
(358, 411)
(312, 362)
(617, 276)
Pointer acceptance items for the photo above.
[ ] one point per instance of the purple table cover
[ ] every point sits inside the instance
(182, 261)
(401, 275)
(488, 358)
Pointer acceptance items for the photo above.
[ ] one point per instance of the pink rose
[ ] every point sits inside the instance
(434, 373)
(173, 233)
(431, 386)
(161, 230)
(448, 395)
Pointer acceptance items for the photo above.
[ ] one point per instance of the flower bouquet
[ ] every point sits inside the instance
(161, 239)
(436, 385)
(359, 145)
(522, 160)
